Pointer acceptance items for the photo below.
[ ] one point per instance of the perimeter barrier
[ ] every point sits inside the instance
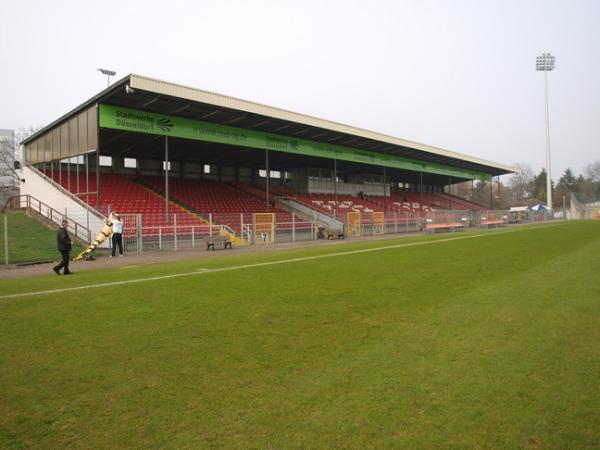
(263, 229)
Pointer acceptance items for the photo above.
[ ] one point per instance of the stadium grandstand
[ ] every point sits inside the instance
(171, 157)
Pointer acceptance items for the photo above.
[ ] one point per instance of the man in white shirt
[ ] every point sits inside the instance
(117, 235)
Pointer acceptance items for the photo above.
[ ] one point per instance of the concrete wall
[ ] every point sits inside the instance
(40, 187)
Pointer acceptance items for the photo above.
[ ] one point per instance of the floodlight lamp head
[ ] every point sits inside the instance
(110, 73)
(545, 62)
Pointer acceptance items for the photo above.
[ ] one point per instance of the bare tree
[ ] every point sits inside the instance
(481, 194)
(593, 172)
(9, 175)
(592, 183)
(10, 159)
(463, 190)
(520, 183)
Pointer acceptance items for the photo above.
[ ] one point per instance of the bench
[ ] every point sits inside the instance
(491, 223)
(218, 242)
(450, 226)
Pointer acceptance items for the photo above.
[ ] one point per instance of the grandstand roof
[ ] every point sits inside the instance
(156, 96)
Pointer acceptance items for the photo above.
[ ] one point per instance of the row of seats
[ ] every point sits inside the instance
(228, 204)
(324, 203)
(408, 204)
(233, 204)
(340, 205)
(120, 193)
(420, 204)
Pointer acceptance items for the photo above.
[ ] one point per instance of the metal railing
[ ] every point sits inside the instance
(138, 238)
(36, 206)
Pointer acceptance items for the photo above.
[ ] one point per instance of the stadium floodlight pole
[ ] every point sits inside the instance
(421, 187)
(545, 63)
(108, 73)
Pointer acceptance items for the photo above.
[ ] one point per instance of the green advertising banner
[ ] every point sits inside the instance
(126, 119)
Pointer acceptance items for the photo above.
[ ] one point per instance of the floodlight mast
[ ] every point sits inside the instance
(545, 63)
(108, 73)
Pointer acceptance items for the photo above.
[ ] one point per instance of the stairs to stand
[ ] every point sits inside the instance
(239, 241)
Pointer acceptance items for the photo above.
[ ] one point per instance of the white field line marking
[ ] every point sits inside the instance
(250, 266)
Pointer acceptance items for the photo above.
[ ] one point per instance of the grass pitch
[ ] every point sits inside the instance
(484, 341)
(28, 240)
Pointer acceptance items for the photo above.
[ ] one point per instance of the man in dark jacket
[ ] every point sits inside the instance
(63, 242)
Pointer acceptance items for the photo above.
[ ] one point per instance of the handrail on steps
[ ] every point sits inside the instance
(27, 201)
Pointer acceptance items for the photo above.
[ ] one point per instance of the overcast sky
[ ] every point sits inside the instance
(457, 74)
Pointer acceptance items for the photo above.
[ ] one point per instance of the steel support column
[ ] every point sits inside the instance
(167, 179)
(335, 206)
(267, 186)
(421, 187)
(384, 196)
